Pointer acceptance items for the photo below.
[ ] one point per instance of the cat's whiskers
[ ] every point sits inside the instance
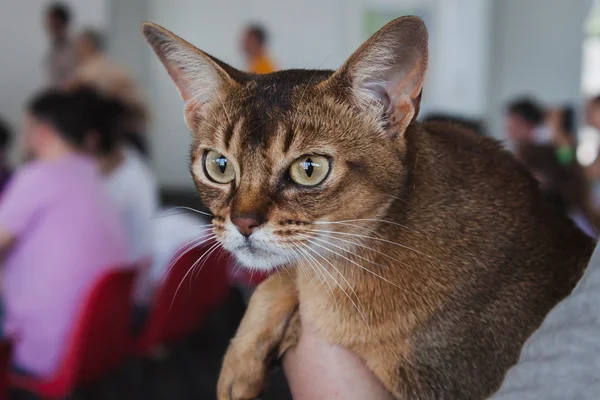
(188, 209)
(397, 198)
(198, 270)
(361, 313)
(319, 270)
(353, 226)
(347, 251)
(184, 249)
(353, 262)
(359, 245)
(366, 220)
(375, 238)
(209, 251)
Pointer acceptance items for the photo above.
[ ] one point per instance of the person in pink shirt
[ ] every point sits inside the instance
(58, 234)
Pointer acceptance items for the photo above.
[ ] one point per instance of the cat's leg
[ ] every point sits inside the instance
(262, 330)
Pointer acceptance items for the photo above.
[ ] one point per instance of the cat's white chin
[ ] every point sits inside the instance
(262, 260)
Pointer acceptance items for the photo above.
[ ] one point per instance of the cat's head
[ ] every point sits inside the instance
(284, 159)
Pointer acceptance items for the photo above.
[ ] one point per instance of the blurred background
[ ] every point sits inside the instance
(483, 53)
(524, 72)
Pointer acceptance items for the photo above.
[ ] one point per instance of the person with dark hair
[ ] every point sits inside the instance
(563, 133)
(254, 48)
(563, 183)
(128, 181)
(592, 112)
(5, 143)
(103, 74)
(523, 118)
(61, 60)
(59, 233)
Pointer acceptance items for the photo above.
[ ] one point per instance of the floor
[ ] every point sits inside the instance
(188, 371)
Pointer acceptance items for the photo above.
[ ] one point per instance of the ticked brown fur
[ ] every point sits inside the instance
(427, 251)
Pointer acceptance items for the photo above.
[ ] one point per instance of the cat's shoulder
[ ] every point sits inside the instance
(460, 136)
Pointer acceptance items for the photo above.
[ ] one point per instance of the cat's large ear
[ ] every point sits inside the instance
(386, 73)
(199, 77)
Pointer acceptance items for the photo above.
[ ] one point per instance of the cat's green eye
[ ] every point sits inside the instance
(309, 170)
(217, 168)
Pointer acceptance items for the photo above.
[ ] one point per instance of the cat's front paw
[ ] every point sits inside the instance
(243, 375)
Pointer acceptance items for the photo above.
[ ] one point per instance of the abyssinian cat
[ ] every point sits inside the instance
(424, 249)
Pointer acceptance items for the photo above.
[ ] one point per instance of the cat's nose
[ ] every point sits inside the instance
(247, 223)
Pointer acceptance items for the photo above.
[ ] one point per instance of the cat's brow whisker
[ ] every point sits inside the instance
(375, 238)
(361, 313)
(354, 262)
(312, 77)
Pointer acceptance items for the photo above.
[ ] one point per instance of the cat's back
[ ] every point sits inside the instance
(514, 256)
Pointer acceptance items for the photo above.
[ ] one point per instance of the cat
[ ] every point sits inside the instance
(424, 249)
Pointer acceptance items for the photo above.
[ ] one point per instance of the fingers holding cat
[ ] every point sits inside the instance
(265, 326)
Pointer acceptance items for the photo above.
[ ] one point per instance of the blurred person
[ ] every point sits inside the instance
(58, 233)
(127, 180)
(563, 184)
(5, 142)
(98, 71)
(563, 133)
(254, 48)
(523, 120)
(61, 59)
(592, 119)
(592, 112)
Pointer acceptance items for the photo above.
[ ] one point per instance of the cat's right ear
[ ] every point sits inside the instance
(199, 77)
(386, 74)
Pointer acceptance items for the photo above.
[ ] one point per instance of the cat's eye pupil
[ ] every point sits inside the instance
(222, 162)
(309, 167)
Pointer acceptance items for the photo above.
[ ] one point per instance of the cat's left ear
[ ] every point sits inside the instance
(386, 74)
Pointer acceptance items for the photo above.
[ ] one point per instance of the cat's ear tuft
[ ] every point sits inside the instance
(386, 73)
(199, 77)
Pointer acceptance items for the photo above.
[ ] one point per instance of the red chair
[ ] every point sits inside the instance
(5, 356)
(100, 341)
(185, 298)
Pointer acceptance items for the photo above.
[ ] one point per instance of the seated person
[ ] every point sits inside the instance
(58, 234)
(5, 142)
(128, 181)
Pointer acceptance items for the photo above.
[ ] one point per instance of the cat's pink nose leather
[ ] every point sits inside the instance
(246, 224)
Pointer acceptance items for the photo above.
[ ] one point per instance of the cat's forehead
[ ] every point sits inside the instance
(266, 104)
(275, 91)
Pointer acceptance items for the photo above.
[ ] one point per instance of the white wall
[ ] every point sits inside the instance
(537, 50)
(23, 45)
(313, 34)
